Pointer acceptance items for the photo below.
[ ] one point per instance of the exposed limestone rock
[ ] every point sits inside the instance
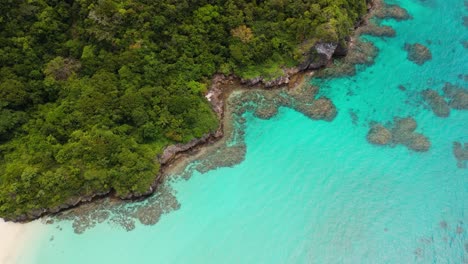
(318, 56)
(418, 53)
(437, 103)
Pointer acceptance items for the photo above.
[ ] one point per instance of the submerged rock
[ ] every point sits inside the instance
(460, 151)
(392, 11)
(458, 96)
(379, 135)
(376, 30)
(418, 53)
(437, 103)
(402, 133)
(418, 142)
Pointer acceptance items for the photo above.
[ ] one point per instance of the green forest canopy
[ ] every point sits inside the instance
(92, 90)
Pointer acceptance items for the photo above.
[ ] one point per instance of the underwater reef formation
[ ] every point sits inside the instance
(418, 53)
(120, 213)
(379, 135)
(452, 234)
(458, 96)
(460, 151)
(401, 132)
(361, 52)
(373, 29)
(437, 103)
(390, 11)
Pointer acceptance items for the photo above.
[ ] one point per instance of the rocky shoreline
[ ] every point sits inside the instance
(320, 56)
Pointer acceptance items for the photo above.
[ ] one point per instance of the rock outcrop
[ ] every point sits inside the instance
(319, 56)
(376, 30)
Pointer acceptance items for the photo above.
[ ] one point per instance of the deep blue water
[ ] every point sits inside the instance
(315, 191)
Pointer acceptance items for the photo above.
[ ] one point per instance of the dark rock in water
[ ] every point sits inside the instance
(437, 103)
(418, 53)
(402, 132)
(319, 56)
(458, 96)
(401, 87)
(465, 21)
(461, 153)
(342, 49)
(379, 135)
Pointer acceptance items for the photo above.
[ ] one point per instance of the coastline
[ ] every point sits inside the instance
(16, 240)
(178, 156)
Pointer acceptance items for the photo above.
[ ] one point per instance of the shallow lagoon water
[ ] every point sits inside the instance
(315, 191)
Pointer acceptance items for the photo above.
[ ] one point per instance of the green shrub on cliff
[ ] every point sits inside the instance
(92, 90)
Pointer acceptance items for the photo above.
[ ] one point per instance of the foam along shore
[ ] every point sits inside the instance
(15, 240)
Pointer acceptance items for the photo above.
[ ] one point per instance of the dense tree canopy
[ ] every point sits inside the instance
(92, 90)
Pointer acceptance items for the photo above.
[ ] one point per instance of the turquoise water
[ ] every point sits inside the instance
(317, 192)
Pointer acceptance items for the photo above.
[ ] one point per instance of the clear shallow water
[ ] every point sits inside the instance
(317, 192)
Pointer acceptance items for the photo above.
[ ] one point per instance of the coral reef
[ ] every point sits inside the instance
(458, 96)
(390, 11)
(437, 103)
(360, 52)
(460, 151)
(373, 29)
(402, 132)
(379, 135)
(120, 212)
(418, 53)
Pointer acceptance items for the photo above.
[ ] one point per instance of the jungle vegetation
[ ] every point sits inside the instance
(91, 91)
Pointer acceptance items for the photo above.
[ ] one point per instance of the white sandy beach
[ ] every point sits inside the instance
(14, 239)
